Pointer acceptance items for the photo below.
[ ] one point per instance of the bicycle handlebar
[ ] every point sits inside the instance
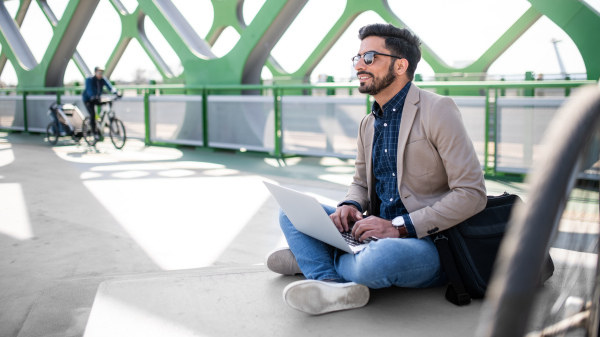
(114, 97)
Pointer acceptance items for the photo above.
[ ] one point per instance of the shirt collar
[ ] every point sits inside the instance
(397, 102)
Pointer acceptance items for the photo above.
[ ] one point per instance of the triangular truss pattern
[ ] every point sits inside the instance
(246, 60)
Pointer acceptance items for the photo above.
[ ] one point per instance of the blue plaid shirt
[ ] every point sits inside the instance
(385, 156)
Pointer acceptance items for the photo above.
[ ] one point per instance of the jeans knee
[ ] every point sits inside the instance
(362, 273)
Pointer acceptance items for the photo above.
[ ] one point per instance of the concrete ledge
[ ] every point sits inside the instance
(64, 308)
(248, 301)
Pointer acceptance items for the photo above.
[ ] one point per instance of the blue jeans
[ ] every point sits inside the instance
(410, 263)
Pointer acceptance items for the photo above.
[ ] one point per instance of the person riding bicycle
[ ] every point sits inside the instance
(93, 92)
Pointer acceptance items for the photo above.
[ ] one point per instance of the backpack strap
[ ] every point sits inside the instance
(455, 292)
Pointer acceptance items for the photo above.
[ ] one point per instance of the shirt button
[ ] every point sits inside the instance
(385, 150)
(393, 109)
(391, 199)
(384, 124)
(393, 174)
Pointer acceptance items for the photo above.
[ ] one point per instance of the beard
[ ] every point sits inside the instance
(377, 84)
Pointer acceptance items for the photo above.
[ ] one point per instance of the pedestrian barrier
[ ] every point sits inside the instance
(505, 130)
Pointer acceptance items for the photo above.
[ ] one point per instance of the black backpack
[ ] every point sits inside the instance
(468, 250)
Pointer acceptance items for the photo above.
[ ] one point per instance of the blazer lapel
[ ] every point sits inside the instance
(409, 111)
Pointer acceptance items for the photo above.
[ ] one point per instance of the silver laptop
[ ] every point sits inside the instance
(309, 217)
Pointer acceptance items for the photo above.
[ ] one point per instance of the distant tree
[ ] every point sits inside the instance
(140, 76)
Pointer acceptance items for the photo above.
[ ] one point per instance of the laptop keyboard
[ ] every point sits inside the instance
(352, 241)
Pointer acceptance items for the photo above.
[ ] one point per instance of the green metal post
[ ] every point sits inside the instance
(529, 77)
(147, 116)
(25, 123)
(278, 130)
(495, 130)
(486, 138)
(330, 92)
(567, 90)
(205, 117)
(446, 91)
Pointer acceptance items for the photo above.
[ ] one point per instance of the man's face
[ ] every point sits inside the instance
(99, 74)
(379, 74)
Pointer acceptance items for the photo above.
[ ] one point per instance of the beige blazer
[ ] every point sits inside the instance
(439, 176)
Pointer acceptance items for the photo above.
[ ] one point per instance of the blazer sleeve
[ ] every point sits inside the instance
(358, 190)
(467, 193)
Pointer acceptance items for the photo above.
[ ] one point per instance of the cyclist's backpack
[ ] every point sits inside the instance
(468, 250)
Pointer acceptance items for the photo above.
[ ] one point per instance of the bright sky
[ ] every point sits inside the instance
(458, 31)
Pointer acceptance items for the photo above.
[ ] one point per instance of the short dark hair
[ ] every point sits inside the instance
(399, 41)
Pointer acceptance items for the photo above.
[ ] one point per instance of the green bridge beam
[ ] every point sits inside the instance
(244, 63)
(580, 22)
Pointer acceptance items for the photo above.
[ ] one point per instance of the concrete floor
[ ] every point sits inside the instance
(70, 213)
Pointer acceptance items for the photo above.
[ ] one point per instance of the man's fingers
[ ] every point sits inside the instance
(336, 220)
(345, 216)
(358, 229)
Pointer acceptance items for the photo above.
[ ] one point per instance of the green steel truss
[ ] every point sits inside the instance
(243, 65)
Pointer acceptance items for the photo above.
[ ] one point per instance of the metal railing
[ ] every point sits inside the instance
(204, 105)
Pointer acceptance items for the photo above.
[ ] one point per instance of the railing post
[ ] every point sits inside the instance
(147, 116)
(529, 77)
(278, 130)
(204, 117)
(495, 130)
(486, 137)
(25, 123)
(567, 89)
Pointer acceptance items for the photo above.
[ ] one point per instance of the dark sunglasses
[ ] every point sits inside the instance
(369, 56)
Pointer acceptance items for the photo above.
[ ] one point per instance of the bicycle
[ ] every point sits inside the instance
(106, 118)
(561, 212)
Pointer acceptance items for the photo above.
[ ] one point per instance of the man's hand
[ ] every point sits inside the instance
(374, 226)
(344, 216)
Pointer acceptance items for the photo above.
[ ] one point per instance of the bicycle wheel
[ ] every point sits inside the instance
(560, 215)
(52, 133)
(88, 135)
(117, 133)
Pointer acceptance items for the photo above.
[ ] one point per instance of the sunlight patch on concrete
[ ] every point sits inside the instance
(342, 179)
(6, 154)
(185, 222)
(340, 169)
(276, 162)
(130, 174)
(128, 319)
(331, 161)
(221, 172)
(564, 257)
(281, 243)
(13, 211)
(176, 173)
(105, 152)
(576, 226)
(90, 175)
(160, 166)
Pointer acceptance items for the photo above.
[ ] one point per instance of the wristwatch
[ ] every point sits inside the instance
(398, 223)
